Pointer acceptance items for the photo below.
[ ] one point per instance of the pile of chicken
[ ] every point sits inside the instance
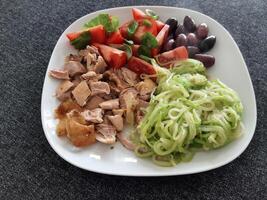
(97, 101)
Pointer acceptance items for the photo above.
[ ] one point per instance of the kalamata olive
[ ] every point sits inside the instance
(207, 44)
(169, 45)
(181, 40)
(202, 31)
(172, 22)
(189, 24)
(192, 39)
(206, 59)
(192, 51)
(180, 29)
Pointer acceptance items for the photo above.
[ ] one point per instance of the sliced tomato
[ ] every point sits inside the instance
(140, 66)
(179, 53)
(73, 36)
(114, 57)
(124, 29)
(135, 49)
(115, 38)
(98, 34)
(142, 29)
(160, 25)
(161, 37)
(139, 14)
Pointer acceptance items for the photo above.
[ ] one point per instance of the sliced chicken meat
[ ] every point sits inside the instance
(145, 87)
(80, 135)
(110, 104)
(94, 102)
(125, 141)
(95, 115)
(72, 57)
(106, 133)
(112, 76)
(63, 87)
(142, 104)
(129, 76)
(118, 112)
(65, 107)
(74, 67)
(81, 93)
(129, 101)
(117, 122)
(59, 74)
(99, 87)
(100, 65)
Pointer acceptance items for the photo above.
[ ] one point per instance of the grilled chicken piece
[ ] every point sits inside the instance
(81, 93)
(99, 87)
(65, 107)
(110, 104)
(112, 76)
(125, 141)
(106, 133)
(80, 135)
(118, 112)
(63, 87)
(129, 76)
(74, 67)
(95, 115)
(100, 65)
(94, 102)
(59, 74)
(145, 87)
(117, 121)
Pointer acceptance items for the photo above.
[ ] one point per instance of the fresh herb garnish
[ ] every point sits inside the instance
(152, 14)
(149, 40)
(124, 47)
(132, 28)
(110, 24)
(82, 41)
(147, 23)
(144, 50)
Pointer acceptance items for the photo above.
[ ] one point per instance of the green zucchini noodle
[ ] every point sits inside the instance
(187, 112)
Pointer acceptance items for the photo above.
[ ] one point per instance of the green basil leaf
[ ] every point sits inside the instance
(110, 25)
(147, 23)
(82, 41)
(132, 28)
(144, 50)
(149, 40)
(152, 14)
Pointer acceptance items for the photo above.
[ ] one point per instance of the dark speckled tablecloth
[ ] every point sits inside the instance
(30, 169)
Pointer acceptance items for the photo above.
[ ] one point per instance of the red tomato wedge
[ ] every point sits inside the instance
(135, 49)
(142, 29)
(114, 57)
(98, 34)
(115, 38)
(124, 29)
(139, 14)
(140, 66)
(161, 37)
(159, 25)
(73, 36)
(168, 57)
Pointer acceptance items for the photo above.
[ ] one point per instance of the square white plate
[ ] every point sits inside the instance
(230, 68)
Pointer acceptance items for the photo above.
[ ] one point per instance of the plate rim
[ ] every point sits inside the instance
(140, 174)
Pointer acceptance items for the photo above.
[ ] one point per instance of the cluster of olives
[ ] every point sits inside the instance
(194, 37)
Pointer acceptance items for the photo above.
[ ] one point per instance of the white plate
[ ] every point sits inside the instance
(229, 68)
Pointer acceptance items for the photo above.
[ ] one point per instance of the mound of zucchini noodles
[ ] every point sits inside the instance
(187, 112)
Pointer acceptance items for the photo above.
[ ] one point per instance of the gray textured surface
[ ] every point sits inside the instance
(30, 169)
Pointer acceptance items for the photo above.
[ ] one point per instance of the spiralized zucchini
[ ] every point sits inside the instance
(185, 113)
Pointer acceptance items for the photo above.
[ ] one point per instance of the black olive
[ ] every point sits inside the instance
(192, 51)
(172, 22)
(207, 60)
(189, 24)
(207, 44)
